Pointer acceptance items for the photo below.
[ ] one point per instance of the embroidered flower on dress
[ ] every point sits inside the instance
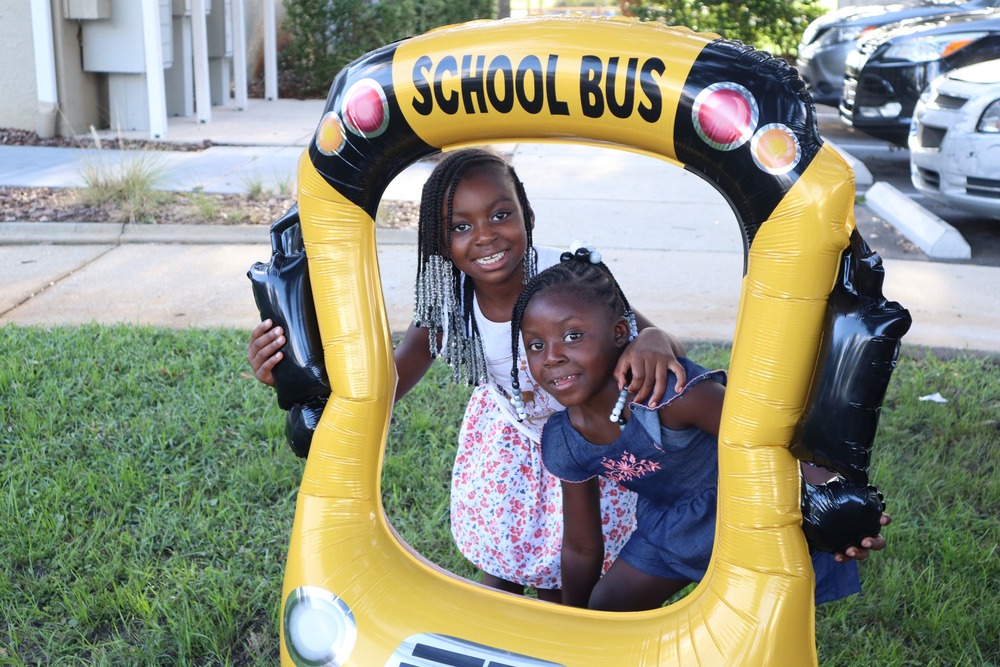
(628, 467)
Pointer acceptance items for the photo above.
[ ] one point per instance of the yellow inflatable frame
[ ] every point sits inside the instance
(354, 594)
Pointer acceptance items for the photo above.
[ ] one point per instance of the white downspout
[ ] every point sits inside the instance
(199, 44)
(45, 68)
(239, 55)
(155, 84)
(270, 51)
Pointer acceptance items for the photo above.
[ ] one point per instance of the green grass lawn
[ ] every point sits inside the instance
(148, 496)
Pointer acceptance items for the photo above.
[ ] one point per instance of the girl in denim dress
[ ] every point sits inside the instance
(574, 321)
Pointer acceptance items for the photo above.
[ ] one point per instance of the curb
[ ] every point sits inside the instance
(862, 177)
(934, 236)
(114, 233)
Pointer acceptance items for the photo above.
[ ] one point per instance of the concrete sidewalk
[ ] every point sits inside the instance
(670, 238)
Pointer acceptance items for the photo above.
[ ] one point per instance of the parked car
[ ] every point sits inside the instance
(891, 67)
(827, 40)
(955, 139)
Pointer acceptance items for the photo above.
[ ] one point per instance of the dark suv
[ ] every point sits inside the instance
(892, 66)
(827, 40)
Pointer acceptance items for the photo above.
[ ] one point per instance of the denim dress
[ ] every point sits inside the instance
(675, 476)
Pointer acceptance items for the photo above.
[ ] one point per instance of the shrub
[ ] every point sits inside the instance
(326, 35)
(771, 25)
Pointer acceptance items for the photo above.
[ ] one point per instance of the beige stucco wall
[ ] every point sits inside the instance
(80, 93)
(19, 100)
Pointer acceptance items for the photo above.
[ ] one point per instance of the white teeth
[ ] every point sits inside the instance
(491, 259)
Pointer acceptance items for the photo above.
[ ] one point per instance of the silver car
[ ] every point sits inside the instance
(827, 40)
(955, 139)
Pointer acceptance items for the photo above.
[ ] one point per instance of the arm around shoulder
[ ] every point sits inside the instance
(676, 345)
(646, 361)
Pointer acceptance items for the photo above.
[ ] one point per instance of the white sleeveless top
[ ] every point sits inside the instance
(496, 337)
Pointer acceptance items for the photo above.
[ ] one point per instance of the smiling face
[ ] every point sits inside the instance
(572, 344)
(487, 231)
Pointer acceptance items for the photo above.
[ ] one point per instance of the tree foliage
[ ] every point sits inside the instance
(772, 25)
(326, 35)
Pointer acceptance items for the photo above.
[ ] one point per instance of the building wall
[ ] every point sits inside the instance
(80, 93)
(83, 96)
(17, 66)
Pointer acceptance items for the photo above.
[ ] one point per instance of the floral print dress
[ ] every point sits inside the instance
(506, 509)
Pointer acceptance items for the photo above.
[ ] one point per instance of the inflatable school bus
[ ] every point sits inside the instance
(354, 594)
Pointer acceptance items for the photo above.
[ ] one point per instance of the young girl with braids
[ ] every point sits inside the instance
(575, 322)
(475, 255)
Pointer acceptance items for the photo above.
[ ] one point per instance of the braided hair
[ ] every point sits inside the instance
(443, 298)
(591, 280)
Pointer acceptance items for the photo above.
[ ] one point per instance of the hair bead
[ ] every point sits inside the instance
(583, 252)
(616, 412)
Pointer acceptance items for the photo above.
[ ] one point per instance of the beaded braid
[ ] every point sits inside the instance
(443, 298)
(583, 268)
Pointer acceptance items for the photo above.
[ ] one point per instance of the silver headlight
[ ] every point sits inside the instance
(320, 630)
(989, 122)
(838, 34)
